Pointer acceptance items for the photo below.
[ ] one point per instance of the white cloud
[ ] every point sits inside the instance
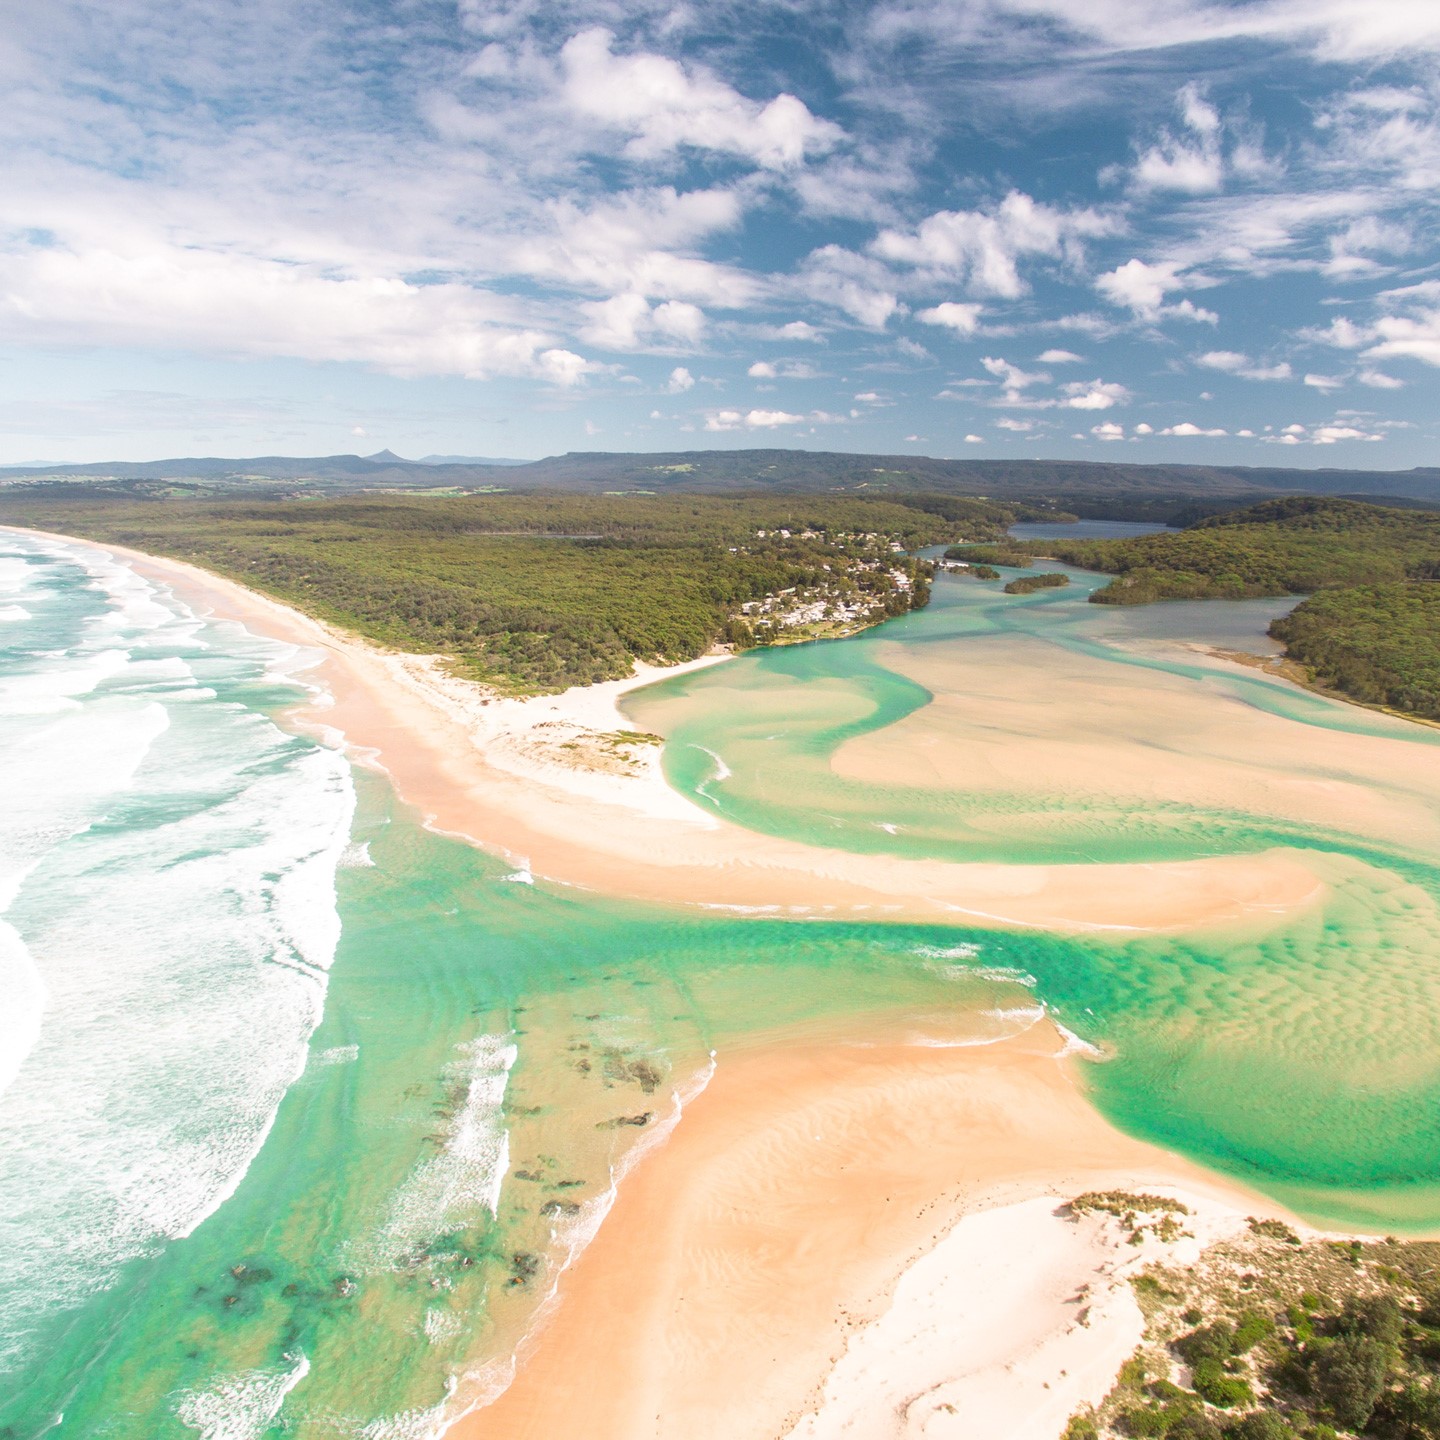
(629, 322)
(1378, 380)
(853, 283)
(983, 248)
(680, 381)
(1416, 336)
(1232, 362)
(174, 297)
(1191, 163)
(665, 106)
(1109, 430)
(1413, 335)
(1143, 429)
(1059, 357)
(962, 318)
(1228, 360)
(761, 370)
(1019, 427)
(1142, 288)
(1095, 395)
(753, 419)
(1012, 376)
(974, 439)
(1324, 383)
(1330, 434)
(1186, 429)
(793, 330)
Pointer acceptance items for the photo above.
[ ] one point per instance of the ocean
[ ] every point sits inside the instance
(305, 1107)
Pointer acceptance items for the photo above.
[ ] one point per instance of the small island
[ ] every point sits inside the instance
(1029, 584)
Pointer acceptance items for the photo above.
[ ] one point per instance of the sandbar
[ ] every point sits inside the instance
(497, 772)
(859, 1240)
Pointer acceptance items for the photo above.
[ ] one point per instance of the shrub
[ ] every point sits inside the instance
(1219, 1389)
(1250, 1330)
(1260, 1425)
(1348, 1375)
(1195, 1426)
(1210, 1342)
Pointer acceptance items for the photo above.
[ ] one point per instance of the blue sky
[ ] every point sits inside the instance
(1198, 230)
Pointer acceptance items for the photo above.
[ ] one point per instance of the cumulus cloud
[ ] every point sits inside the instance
(665, 105)
(752, 419)
(1142, 288)
(150, 293)
(1108, 430)
(1095, 394)
(1185, 430)
(1059, 357)
(1012, 376)
(1232, 362)
(984, 248)
(852, 283)
(1191, 161)
(681, 380)
(761, 370)
(964, 319)
(974, 439)
(630, 322)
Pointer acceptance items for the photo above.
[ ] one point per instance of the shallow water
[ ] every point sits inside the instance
(202, 908)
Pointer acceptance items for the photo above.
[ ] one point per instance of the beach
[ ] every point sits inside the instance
(843, 1215)
(860, 1239)
(506, 783)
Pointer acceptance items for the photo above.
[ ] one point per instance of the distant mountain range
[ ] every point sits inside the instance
(1096, 484)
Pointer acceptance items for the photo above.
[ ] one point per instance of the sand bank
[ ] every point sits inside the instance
(546, 783)
(1139, 738)
(845, 1240)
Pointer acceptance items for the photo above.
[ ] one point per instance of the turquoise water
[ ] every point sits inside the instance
(306, 1105)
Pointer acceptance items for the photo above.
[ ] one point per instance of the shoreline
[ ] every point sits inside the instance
(845, 1227)
(821, 1219)
(503, 774)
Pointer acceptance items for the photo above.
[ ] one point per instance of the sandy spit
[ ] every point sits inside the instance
(541, 782)
(859, 1241)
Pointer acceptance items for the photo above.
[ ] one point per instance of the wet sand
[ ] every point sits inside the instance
(774, 1226)
(501, 785)
(1138, 736)
(768, 1235)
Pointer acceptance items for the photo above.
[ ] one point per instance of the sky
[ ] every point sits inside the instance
(1141, 230)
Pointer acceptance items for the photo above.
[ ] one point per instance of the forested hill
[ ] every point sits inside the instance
(539, 592)
(1094, 484)
(1372, 627)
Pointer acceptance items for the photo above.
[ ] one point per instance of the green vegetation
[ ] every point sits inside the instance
(1270, 1338)
(537, 592)
(1376, 643)
(1029, 584)
(1371, 629)
(984, 572)
(1007, 554)
(1283, 547)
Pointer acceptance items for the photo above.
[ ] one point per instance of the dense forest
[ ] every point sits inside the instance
(1371, 629)
(1281, 547)
(1376, 643)
(537, 592)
